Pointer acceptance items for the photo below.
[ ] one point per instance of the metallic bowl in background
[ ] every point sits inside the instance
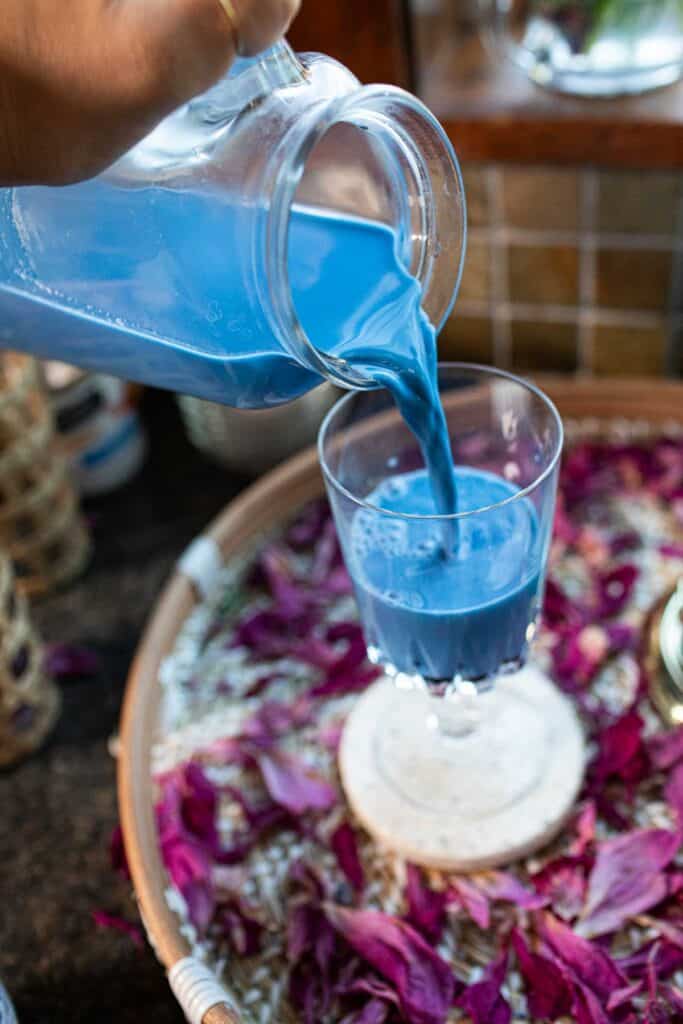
(666, 657)
(252, 441)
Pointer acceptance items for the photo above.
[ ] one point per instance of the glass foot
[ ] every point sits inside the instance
(463, 785)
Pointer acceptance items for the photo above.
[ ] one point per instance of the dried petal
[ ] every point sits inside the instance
(627, 879)
(308, 526)
(589, 964)
(293, 785)
(500, 885)
(667, 957)
(65, 661)
(426, 907)
(666, 748)
(472, 899)
(198, 804)
(673, 791)
(559, 610)
(240, 927)
(289, 597)
(103, 919)
(345, 848)
(350, 671)
(189, 868)
(547, 990)
(585, 829)
(671, 550)
(623, 996)
(374, 1012)
(614, 589)
(424, 982)
(621, 753)
(562, 882)
(483, 1001)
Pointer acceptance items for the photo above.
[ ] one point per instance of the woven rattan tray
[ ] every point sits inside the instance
(259, 509)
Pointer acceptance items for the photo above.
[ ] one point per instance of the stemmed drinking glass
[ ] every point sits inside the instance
(457, 758)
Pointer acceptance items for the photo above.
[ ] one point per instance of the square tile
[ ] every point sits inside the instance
(541, 198)
(633, 279)
(467, 338)
(630, 351)
(476, 195)
(544, 346)
(546, 275)
(476, 278)
(638, 202)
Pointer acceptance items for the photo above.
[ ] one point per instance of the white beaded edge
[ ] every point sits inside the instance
(196, 989)
(202, 562)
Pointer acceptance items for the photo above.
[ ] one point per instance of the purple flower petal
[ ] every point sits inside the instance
(307, 528)
(614, 589)
(585, 829)
(350, 672)
(483, 1001)
(103, 919)
(621, 753)
(673, 791)
(290, 598)
(274, 719)
(627, 879)
(374, 1012)
(426, 907)
(424, 982)
(589, 964)
(562, 882)
(558, 610)
(671, 550)
(623, 996)
(293, 785)
(330, 736)
(500, 885)
(189, 868)
(667, 957)
(65, 661)
(666, 748)
(547, 990)
(198, 804)
(238, 925)
(472, 899)
(345, 848)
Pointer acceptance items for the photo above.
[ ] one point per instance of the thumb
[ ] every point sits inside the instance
(191, 43)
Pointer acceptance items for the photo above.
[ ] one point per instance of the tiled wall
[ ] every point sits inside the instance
(571, 270)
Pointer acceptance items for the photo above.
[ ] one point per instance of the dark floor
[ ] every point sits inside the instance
(57, 809)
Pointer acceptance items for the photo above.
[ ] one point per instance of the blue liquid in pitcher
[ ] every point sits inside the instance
(179, 311)
(158, 285)
(439, 617)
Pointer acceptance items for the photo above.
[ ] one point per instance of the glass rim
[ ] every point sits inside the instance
(490, 371)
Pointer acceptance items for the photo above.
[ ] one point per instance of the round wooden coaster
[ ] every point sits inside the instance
(471, 800)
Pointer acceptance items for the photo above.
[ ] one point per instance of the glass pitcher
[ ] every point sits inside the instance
(186, 263)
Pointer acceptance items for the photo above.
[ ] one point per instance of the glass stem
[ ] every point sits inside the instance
(457, 713)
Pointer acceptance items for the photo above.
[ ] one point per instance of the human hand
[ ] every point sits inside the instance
(82, 80)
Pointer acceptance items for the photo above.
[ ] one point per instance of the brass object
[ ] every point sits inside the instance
(666, 657)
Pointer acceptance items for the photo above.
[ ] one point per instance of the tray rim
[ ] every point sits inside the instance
(260, 507)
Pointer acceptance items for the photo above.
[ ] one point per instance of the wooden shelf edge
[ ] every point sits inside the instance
(526, 140)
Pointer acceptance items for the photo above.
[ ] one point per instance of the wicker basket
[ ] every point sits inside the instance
(259, 509)
(29, 700)
(40, 522)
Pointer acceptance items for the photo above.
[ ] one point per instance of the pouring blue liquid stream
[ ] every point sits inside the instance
(354, 299)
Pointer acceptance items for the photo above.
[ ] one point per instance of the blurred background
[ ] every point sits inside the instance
(573, 167)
